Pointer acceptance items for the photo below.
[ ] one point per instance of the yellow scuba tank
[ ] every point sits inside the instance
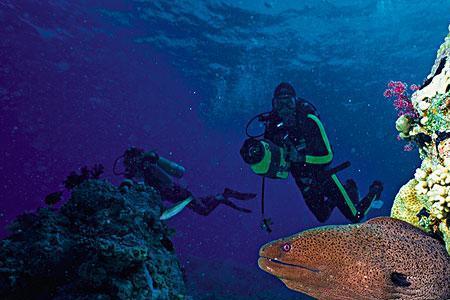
(265, 158)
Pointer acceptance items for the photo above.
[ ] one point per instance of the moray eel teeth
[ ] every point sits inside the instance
(277, 261)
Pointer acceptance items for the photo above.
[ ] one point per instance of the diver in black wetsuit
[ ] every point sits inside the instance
(294, 126)
(157, 172)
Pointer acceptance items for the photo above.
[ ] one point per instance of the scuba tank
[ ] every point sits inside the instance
(141, 164)
(172, 168)
(135, 160)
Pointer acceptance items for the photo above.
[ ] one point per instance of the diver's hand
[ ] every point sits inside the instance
(295, 156)
(223, 199)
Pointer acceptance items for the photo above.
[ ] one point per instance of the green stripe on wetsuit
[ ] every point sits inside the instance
(370, 206)
(347, 199)
(324, 159)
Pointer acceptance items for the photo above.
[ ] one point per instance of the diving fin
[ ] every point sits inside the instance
(375, 189)
(377, 204)
(174, 210)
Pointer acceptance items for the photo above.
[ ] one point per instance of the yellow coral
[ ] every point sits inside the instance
(407, 205)
(444, 229)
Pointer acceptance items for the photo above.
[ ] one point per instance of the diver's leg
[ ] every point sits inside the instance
(174, 193)
(234, 206)
(204, 205)
(374, 193)
(315, 199)
(229, 193)
(309, 182)
(346, 197)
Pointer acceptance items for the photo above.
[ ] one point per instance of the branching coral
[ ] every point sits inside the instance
(434, 184)
(74, 179)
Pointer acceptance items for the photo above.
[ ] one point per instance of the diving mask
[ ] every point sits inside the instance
(284, 107)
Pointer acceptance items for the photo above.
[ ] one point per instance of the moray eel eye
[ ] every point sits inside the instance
(286, 247)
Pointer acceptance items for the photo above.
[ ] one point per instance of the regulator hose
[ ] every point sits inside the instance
(258, 116)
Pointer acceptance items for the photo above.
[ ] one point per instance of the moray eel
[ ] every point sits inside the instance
(384, 258)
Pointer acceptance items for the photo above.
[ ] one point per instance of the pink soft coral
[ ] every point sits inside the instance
(408, 147)
(398, 92)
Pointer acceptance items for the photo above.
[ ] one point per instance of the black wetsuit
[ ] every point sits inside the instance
(139, 168)
(204, 205)
(321, 189)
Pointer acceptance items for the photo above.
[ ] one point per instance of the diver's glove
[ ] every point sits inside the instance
(377, 204)
(376, 188)
(296, 154)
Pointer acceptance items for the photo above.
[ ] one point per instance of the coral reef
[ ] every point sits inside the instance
(74, 179)
(406, 205)
(106, 242)
(425, 200)
(401, 99)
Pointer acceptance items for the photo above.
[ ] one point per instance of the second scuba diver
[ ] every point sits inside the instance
(295, 141)
(157, 172)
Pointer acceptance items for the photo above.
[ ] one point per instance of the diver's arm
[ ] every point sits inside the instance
(320, 159)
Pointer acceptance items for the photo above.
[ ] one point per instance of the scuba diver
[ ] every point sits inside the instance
(295, 141)
(157, 172)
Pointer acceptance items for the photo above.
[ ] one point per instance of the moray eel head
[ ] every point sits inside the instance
(300, 261)
(383, 258)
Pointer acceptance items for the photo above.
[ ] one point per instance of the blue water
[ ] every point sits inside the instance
(80, 81)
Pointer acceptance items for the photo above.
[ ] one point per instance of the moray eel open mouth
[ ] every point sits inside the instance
(275, 266)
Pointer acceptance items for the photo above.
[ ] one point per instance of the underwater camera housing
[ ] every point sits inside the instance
(265, 158)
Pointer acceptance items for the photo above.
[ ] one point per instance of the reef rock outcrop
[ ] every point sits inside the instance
(425, 200)
(105, 242)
